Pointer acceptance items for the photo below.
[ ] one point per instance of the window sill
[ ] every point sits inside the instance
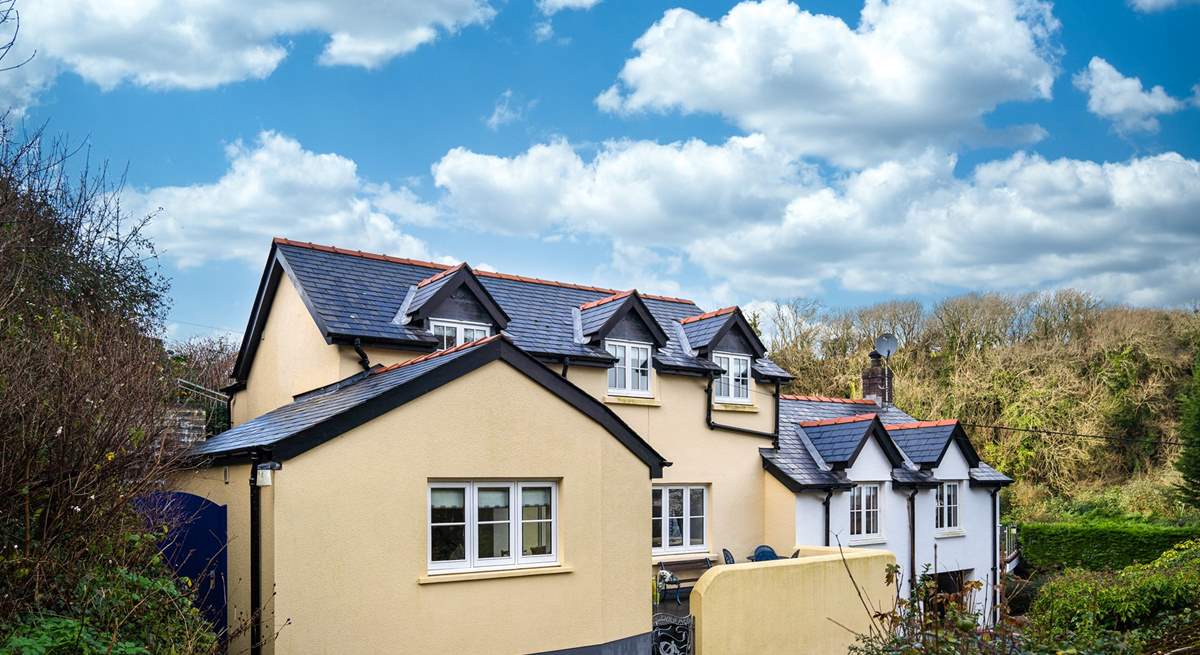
(947, 534)
(438, 578)
(667, 558)
(735, 407)
(867, 541)
(644, 401)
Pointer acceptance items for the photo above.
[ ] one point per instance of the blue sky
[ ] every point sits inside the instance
(732, 153)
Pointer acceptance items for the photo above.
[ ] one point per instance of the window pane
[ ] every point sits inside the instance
(675, 532)
(656, 503)
(696, 536)
(723, 386)
(493, 540)
(493, 504)
(448, 543)
(697, 502)
(447, 505)
(640, 379)
(612, 378)
(535, 538)
(473, 334)
(675, 503)
(446, 336)
(535, 503)
(656, 533)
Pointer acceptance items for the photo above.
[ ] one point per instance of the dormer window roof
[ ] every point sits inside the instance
(426, 299)
(706, 331)
(598, 318)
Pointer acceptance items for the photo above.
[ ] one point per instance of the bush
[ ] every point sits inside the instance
(1088, 603)
(1098, 544)
(134, 608)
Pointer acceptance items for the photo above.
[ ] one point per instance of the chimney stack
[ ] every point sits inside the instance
(877, 381)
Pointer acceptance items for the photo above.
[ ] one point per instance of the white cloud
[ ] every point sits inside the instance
(1121, 99)
(763, 224)
(551, 7)
(1148, 6)
(914, 73)
(274, 187)
(202, 44)
(637, 189)
(508, 109)
(543, 31)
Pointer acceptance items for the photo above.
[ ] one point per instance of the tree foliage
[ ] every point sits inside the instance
(1052, 362)
(1188, 463)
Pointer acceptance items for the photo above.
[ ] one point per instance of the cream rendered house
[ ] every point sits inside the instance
(435, 459)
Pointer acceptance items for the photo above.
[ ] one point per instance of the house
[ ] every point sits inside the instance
(441, 459)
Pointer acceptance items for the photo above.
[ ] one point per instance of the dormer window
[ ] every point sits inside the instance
(455, 333)
(733, 385)
(630, 376)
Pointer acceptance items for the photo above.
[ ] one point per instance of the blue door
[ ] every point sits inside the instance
(196, 548)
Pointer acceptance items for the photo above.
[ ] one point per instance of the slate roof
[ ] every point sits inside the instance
(837, 439)
(428, 288)
(793, 459)
(593, 314)
(923, 442)
(702, 328)
(313, 408)
(988, 476)
(357, 295)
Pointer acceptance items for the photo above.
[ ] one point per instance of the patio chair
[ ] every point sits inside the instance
(728, 556)
(764, 553)
(667, 579)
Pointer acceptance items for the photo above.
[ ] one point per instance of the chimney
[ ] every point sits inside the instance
(877, 381)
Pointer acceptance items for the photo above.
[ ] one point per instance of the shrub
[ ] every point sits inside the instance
(1088, 603)
(1098, 544)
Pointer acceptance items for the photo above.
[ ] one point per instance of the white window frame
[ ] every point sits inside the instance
(727, 378)
(864, 536)
(471, 560)
(942, 509)
(460, 328)
(629, 368)
(664, 522)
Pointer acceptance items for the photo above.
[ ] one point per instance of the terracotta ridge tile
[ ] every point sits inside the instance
(437, 276)
(478, 273)
(921, 424)
(857, 418)
(439, 353)
(605, 300)
(828, 399)
(707, 315)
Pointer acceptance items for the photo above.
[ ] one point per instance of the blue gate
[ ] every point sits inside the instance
(195, 547)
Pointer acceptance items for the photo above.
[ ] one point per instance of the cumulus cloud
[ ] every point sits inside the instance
(274, 187)
(508, 109)
(913, 73)
(636, 189)
(191, 45)
(763, 224)
(1123, 100)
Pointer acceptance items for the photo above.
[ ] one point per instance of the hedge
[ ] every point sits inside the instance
(1098, 544)
(1089, 603)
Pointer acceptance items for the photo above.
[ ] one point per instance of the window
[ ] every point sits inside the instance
(454, 333)
(677, 519)
(630, 376)
(947, 506)
(864, 511)
(483, 525)
(734, 384)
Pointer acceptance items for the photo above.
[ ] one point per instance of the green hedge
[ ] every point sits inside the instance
(1098, 544)
(1088, 604)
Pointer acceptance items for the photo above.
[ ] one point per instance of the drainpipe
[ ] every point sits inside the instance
(828, 495)
(566, 365)
(362, 355)
(912, 540)
(995, 547)
(713, 425)
(255, 557)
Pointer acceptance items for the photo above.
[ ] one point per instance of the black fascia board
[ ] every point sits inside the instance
(500, 349)
(796, 487)
(267, 285)
(633, 303)
(736, 318)
(464, 277)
